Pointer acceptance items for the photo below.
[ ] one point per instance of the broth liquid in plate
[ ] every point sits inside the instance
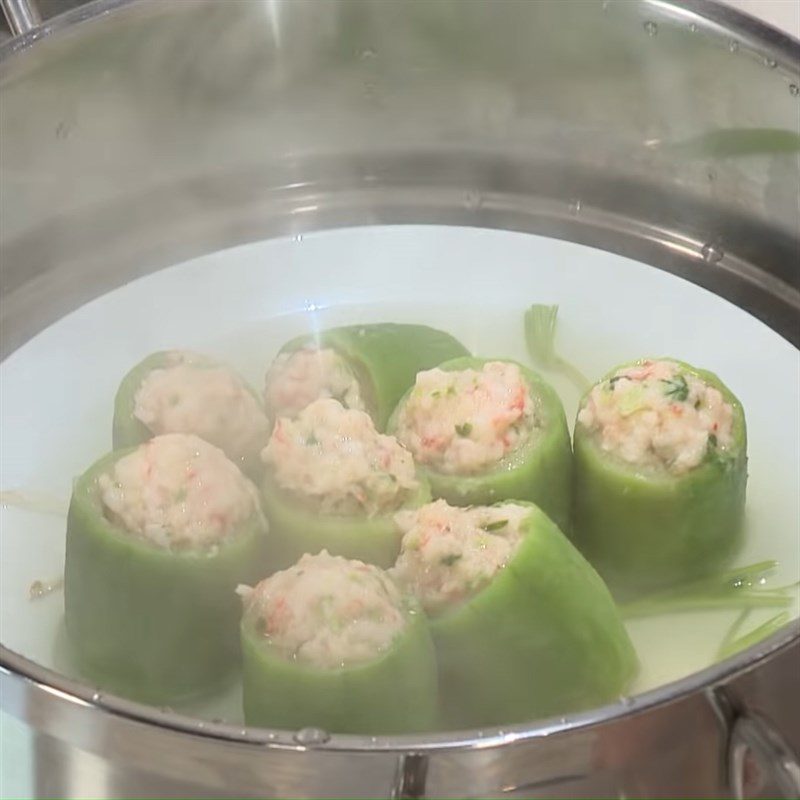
(242, 305)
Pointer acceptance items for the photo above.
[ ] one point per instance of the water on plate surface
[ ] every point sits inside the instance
(242, 304)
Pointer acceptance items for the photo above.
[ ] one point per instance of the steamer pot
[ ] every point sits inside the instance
(138, 133)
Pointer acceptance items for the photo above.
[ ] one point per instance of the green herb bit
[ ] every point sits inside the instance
(495, 526)
(676, 388)
(311, 440)
(451, 390)
(326, 609)
(789, 587)
(737, 588)
(735, 143)
(540, 333)
(713, 452)
(731, 633)
(180, 495)
(450, 559)
(732, 643)
(743, 599)
(436, 393)
(464, 430)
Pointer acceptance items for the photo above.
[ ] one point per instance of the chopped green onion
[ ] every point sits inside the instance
(708, 603)
(732, 644)
(737, 142)
(787, 587)
(464, 430)
(450, 559)
(732, 632)
(374, 614)
(495, 526)
(736, 588)
(540, 334)
(312, 440)
(677, 388)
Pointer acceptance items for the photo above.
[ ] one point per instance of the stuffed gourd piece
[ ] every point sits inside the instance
(332, 482)
(524, 627)
(178, 391)
(158, 538)
(660, 474)
(365, 367)
(332, 644)
(484, 431)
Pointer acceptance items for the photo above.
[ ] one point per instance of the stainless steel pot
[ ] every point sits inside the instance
(136, 133)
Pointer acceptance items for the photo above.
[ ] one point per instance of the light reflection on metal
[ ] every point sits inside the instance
(22, 15)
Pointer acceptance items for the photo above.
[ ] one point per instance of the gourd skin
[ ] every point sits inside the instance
(645, 531)
(146, 622)
(538, 471)
(385, 358)
(396, 693)
(543, 638)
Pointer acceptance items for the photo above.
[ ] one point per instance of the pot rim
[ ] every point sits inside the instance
(715, 18)
(710, 15)
(43, 681)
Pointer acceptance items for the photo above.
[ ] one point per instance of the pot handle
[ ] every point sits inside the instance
(21, 15)
(755, 744)
(411, 777)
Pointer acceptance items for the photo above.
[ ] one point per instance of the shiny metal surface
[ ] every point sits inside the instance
(753, 738)
(658, 130)
(21, 15)
(370, 117)
(670, 742)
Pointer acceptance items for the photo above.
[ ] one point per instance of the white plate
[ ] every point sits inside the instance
(242, 304)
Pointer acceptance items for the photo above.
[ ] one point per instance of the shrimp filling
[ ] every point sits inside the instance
(463, 422)
(193, 395)
(449, 554)
(327, 612)
(334, 458)
(178, 492)
(297, 379)
(656, 415)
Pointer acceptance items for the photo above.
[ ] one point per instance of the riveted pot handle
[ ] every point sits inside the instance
(755, 744)
(21, 15)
